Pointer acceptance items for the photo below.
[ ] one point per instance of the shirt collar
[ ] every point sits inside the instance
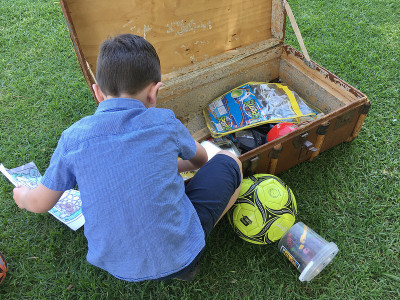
(114, 104)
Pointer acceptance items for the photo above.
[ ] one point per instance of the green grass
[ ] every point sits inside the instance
(349, 195)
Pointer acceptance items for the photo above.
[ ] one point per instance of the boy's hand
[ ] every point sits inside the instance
(19, 194)
(37, 200)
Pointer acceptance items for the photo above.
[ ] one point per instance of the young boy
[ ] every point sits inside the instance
(141, 222)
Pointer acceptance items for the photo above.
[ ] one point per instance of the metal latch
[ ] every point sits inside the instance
(250, 165)
(309, 146)
(304, 144)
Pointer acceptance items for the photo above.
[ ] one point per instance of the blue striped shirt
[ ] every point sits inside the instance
(139, 223)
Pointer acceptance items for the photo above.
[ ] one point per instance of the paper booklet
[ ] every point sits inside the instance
(68, 209)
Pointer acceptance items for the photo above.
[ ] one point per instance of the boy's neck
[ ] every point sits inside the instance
(148, 95)
(142, 97)
(123, 95)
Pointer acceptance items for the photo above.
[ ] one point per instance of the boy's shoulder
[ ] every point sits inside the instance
(76, 131)
(85, 122)
(88, 126)
(164, 114)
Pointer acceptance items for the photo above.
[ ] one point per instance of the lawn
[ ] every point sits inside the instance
(349, 195)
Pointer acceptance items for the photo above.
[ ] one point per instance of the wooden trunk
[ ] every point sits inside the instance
(209, 47)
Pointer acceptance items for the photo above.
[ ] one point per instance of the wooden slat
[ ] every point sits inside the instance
(183, 32)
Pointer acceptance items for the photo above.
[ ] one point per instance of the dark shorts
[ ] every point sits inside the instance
(210, 190)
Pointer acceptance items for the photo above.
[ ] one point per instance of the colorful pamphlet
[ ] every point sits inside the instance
(67, 210)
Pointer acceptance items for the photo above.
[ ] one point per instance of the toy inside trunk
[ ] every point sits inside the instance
(209, 47)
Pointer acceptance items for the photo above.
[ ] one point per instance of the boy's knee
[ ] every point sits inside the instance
(228, 153)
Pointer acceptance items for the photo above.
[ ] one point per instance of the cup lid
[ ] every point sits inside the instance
(319, 262)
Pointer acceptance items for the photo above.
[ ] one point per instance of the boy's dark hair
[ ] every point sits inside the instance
(126, 63)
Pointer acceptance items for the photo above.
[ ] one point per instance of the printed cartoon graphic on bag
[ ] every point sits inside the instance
(253, 104)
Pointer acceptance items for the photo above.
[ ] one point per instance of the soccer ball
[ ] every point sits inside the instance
(265, 209)
(3, 267)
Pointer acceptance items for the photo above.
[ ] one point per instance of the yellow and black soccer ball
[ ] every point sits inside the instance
(265, 209)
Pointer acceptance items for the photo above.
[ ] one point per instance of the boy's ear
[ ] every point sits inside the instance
(152, 95)
(99, 94)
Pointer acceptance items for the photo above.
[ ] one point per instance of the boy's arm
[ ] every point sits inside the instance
(37, 200)
(198, 160)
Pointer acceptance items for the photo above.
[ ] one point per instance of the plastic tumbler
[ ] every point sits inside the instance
(307, 250)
